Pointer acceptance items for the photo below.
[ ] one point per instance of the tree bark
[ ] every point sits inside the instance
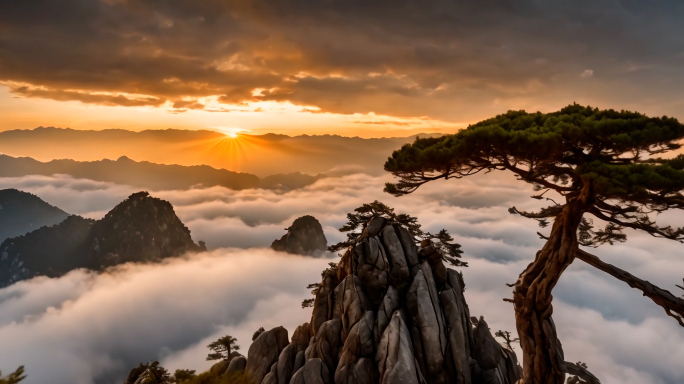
(543, 360)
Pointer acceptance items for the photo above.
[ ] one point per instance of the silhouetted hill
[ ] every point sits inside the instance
(148, 175)
(140, 229)
(261, 155)
(22, 212)
(304, 237)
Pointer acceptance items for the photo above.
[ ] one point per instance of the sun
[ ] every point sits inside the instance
(231, 132)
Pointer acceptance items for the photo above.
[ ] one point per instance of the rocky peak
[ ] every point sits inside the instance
(304, 237)
(142, 229)
(389, 313)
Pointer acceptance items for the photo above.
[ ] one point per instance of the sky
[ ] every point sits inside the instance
(368, 68)
(105, 324)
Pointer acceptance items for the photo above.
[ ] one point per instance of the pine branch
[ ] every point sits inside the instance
(673, 306)
(580, 370)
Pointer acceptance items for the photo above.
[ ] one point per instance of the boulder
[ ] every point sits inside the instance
(394, 357)
(390, 303)
(237, 364)
(219, 368)
(373, 268)
(264, 352)
(350, 303)
(327, 343)
(313, 372)
(428, 332)
(399, 270)
(359, 344)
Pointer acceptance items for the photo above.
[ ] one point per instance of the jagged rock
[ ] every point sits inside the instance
(287, 361)
(358, 345)
(264, 352)
(304, 237)
(313, 372)
(457, 337)
(380, 320)
(374, 226)
(399, 270)
(408, 245)
(428, 327)
(395, 359)
(323, 304)
(487, 350)
(237, 364)
(390, 303)
(350, 303)
(373, 268)
(327, 343)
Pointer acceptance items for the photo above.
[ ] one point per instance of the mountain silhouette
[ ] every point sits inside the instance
(22, 212)
(140, 229)
(148, 175)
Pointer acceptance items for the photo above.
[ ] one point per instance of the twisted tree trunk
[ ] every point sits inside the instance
(543, 360)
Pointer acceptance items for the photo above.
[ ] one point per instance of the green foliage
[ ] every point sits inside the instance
(231, 378)
(609, 153)
(182, 375)
(155, 374)
(257, 333)
(357, 221)
(223, 348)
(14, 377)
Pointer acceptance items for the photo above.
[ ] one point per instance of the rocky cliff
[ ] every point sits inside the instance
(304, 237)
(390, 312)
(22, 212)
(140, 229)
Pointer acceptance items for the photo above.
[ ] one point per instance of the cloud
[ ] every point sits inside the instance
(587, 73)
(122, 312)
(100, 326)
(443, 59)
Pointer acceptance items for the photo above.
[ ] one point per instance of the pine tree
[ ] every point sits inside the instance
(223, 348)
(599, 164)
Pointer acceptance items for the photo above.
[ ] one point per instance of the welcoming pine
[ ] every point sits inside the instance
(601, 163)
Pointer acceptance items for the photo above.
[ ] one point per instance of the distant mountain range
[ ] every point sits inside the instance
(22, 212)
(140, 229)
(260, 155)
(148, 175)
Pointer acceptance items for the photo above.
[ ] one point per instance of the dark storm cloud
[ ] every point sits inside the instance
(444, 59)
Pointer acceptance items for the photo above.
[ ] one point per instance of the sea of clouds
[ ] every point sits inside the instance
(90, 328)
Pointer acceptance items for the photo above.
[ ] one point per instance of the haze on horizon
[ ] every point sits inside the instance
(374, 69)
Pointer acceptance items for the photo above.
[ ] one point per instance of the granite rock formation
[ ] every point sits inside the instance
(388, 313)
(304, 237)
(140, 229)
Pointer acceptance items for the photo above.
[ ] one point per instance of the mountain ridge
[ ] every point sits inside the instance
(139, 229)
(22, 212)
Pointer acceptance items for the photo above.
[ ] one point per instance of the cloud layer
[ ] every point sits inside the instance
(104, 324)
(452, 61)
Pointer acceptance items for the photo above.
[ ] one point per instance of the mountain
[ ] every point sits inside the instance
(304, 237)
(148, 175)
(261, 155)
(388, 313)
(140, 229)
(22, 212)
